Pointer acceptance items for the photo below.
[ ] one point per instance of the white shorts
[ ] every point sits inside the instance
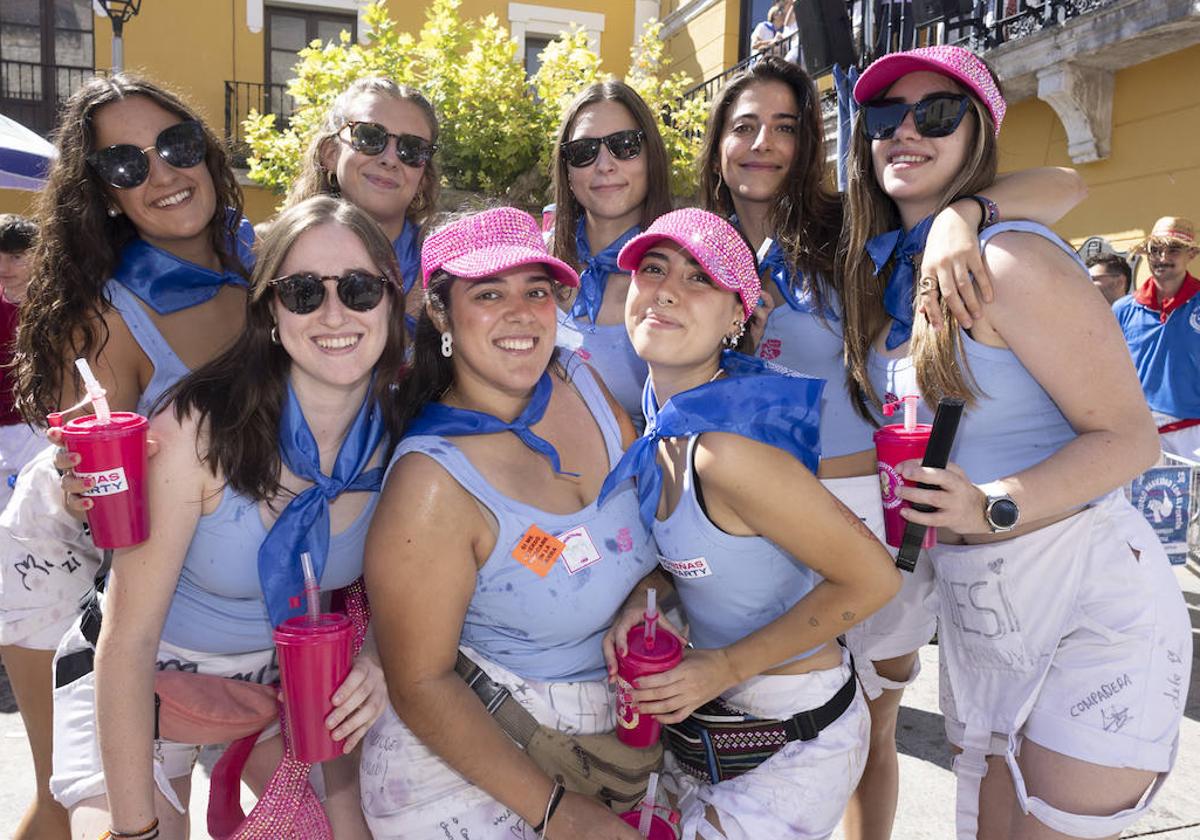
(1066, 637)
(801, 791)
(905, 623)
(408, 791)
(47, 561)
(77, 772)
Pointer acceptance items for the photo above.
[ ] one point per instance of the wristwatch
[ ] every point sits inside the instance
(1001, 513)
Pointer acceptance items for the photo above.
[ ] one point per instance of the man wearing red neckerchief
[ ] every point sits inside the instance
(1161, 323)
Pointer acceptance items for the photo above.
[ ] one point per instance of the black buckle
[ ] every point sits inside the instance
(490, 693)
(802, 726)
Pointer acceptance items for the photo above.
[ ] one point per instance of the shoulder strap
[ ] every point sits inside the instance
(1022, 226)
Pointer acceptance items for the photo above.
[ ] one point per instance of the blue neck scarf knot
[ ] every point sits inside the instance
(789, 280)
(304, 524)
(900, 246)
(447, 421)
(596, 268)
(755, 399)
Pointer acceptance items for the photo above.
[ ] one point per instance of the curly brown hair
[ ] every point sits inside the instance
(79, 243)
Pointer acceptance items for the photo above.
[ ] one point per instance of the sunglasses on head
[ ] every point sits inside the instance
(623, 145)
(304, 292)
(935, 116)
(125, 166)
(372, 138)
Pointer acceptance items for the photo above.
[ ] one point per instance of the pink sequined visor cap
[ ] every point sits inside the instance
(488, 243)
(712, 241)
(955, 62)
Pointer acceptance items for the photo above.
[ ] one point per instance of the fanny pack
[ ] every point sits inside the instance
(718, 742)
(599, 766)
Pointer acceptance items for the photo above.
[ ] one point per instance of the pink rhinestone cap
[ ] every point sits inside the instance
(959, 64)
(714, 243)
(485, 244)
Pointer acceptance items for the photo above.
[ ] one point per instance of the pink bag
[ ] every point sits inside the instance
(203, 709)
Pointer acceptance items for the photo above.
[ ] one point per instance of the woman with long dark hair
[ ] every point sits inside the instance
(763, 164)
(1049, 582)
(611, 180)
(273, 448)
(140, 269)
(489, 558)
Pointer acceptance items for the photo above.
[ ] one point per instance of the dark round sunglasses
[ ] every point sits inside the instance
(304, 292)
(372, 138)
(125, 166)
(623, 145)
(934, 116)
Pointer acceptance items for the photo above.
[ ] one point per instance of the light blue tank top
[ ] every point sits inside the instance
(218, 605)
(168, 367)
(1014, 423)
(607, 348)
(549, 628)
(730, 586)
(800, 340)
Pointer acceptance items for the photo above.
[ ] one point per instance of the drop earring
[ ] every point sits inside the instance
(447, 345)
(274, 334)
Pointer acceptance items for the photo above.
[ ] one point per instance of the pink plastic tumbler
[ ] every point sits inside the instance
(113, 456)
(662, 654)
(893, 445)
(314, 660)
(660, 829)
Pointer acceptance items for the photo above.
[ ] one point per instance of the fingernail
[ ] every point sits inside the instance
(88, 504)
(88, 482)
(75, 458)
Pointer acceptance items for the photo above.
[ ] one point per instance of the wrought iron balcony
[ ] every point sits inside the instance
(31, 93)
(243, 97)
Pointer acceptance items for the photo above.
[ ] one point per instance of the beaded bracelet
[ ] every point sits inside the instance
(556, 796)
(147, 833)
(989, 209)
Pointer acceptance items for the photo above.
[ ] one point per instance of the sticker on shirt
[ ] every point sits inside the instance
(580, 551)
(697, 567)
(537, 551)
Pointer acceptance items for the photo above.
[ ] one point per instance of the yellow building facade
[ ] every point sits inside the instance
(204, 48)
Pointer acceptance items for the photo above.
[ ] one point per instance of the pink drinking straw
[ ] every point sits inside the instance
(651, 617)
(312, 592)
(648, 804)
(95, 392)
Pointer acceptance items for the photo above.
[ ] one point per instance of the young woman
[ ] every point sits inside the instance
(298, 399)
(138, 269)
(767, 579)
(611, 179)
(375, 148)
(1049, 583)
(488, 541)
(18, 440)
(763, 165)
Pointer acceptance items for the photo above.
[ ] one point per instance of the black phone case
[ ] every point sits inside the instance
(937, 454)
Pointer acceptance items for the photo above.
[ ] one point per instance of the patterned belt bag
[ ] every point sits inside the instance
(718, 742)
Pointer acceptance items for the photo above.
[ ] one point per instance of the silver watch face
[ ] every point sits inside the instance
(1002, 513)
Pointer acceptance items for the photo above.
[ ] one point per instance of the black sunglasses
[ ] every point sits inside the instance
(623, 145)
(935, 116)
(304, 292)
(125, 166)
(372, 138)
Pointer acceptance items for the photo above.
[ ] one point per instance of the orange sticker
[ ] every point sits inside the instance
(538, 551)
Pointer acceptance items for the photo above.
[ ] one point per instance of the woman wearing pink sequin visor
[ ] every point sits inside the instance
(1061, 628)
(489, 542)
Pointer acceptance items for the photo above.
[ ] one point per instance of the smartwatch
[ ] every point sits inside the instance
(1001, 513)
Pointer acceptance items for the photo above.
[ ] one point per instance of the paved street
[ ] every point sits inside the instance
(926, 799)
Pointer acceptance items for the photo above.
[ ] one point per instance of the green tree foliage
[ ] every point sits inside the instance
(497, 127)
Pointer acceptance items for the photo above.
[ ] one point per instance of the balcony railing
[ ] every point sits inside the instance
(31, 93)
(243, 97)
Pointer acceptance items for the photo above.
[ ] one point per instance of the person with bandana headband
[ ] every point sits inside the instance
(767, 578)
(763, 166)
(274, 448)
(375, 147)
(611, 179)
(140, 269)
(488, 540)
(1063, 638)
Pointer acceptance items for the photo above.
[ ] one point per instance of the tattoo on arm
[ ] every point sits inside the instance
(854, 521)
(848, 616)
(812, 622)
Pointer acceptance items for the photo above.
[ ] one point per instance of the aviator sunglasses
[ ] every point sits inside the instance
(934, 116)
(304, 292)
(125, 166)
(623, 145)
(372, 138)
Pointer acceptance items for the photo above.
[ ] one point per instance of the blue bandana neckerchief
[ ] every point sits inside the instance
(898, 295)
(408, 256)
(167, 283)
(304, 523)
(755, 399)
(789, 281)
(444, 420)
(596, 268)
